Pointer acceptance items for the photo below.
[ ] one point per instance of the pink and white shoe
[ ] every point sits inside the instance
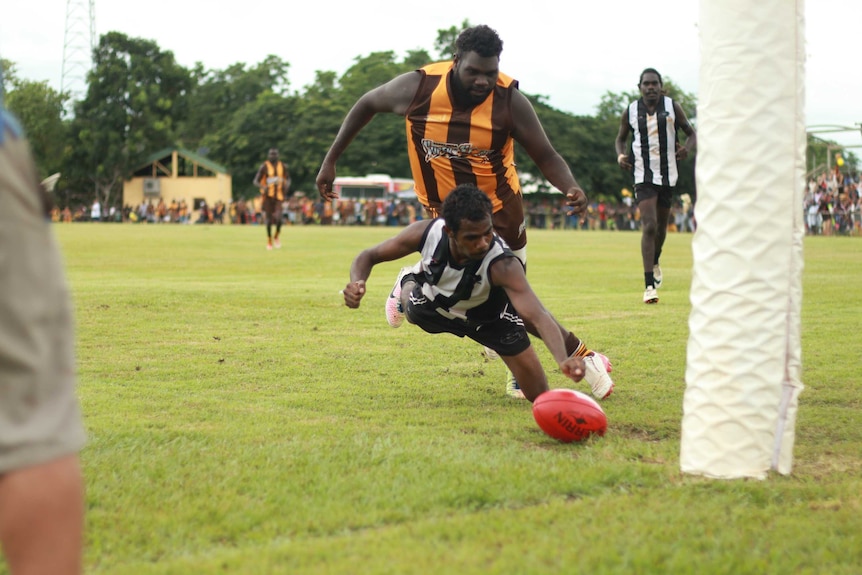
(605, 361)
(394, 312)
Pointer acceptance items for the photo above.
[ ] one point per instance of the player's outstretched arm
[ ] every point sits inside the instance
(405, 243)
(528, 132)
(392, 97)
(509, 274)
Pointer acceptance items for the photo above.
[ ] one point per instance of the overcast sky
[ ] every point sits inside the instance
(571, 55)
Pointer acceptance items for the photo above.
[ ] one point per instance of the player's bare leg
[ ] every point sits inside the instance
(649, 237)
(528, 370)
(42, 518)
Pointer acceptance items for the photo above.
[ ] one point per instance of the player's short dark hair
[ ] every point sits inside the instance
(465, 202)
(650, 71)
(480, 39)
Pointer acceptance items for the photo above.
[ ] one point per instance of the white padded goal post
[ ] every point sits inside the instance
(743, 372)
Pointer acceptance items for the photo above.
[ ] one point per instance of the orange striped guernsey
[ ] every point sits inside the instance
(274, 180)
(449, 146)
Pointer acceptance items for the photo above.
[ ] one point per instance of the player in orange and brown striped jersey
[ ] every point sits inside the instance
(462, 119)
(273, 179)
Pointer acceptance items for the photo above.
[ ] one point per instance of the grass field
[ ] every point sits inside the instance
(242, 420)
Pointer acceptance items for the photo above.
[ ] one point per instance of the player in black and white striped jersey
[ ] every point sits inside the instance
(470, 284)
(653, 121)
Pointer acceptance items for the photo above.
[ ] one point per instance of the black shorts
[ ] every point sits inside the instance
(506, 334)
(645, 191)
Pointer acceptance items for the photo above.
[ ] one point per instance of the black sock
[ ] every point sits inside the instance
(649, 279)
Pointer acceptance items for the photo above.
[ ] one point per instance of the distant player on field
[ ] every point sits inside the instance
(273, 179)
(653, 121)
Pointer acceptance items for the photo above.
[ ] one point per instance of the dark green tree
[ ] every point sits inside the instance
(579, 139)
(242, 143)
(321, 111)
(381, 146)
(216, 95)
(445, 42)
(135, 98)
(7, 67)
(416, 59)
(40, 110)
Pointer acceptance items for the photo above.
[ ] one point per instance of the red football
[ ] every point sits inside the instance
(569, 415)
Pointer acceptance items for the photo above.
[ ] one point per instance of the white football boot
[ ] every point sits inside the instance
(650, 295)
(596, 374)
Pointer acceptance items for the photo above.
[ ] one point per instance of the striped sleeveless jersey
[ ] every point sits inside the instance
(459, 291)
(654, 143)
(274, 179)
(449, 146)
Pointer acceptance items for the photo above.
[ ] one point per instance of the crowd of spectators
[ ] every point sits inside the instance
(551, 213)
(546, 212)
(832, 204)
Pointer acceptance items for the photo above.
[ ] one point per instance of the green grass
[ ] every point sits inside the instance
(242, 420)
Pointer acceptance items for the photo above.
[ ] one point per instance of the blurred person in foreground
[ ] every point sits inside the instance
(41, 432)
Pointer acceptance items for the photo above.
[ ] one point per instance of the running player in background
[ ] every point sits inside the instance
(653, 121)
(273, 179)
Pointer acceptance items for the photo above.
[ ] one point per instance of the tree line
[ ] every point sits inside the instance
(140, 100)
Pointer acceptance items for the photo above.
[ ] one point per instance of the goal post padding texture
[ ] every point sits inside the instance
(743, 367)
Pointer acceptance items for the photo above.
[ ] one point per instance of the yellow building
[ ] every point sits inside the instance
(178, 174)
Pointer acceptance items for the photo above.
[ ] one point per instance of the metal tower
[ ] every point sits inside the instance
(79, 41)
